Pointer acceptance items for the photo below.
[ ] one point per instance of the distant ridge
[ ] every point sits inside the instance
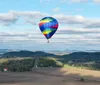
(25, 53)
(92, 56)
(74, 55)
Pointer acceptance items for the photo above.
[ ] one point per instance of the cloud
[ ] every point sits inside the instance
(63, 1)
(57, 9)
(29, 14)
(79, 1)
(74, 1)
(96, 1)
(20, 36)
(33, 17)
(31, 21)
(64, 36)
(46, 1)
(70, 19)
(93, 24)
(78, 20)
(7, 18)
(71, 30)
(12, 34)
(36, 40)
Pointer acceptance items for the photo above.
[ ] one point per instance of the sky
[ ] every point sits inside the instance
(79, 24)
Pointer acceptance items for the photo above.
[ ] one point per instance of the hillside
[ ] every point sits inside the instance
(90, 60)
(27, 54)
(91, 56)
(76, 56)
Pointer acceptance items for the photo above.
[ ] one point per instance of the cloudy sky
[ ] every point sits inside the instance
(79, 24)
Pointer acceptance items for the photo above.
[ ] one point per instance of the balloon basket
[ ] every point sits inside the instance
(48, 41)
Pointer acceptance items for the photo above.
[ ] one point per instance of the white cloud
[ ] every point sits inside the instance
(34, 39)
(70, 1)
(63, 37)
(33, 17)
(78, 20)
(74, 1)
(70, 19)
(63, 1)
(57, 9)
(34, 14)
(73, 30)
(79, 1)
(46, 1)
(7, 18)
(93, 24)
(66, 34)
(96, 1)
(69, 35)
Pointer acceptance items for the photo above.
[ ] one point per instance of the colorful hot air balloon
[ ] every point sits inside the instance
(48, 26)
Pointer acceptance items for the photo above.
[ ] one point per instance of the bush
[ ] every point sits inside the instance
(21, 65)
(49, 62)
(82, 79)
(18, 65)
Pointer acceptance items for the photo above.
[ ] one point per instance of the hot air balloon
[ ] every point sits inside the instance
(48, 26)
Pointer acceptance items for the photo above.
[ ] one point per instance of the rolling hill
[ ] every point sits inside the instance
(85, 56)
(27, 54)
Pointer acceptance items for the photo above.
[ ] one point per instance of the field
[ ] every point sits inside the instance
(51, 76)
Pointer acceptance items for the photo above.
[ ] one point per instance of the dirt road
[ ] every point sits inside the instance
(50, 76)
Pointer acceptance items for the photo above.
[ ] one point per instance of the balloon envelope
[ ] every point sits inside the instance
(48, 26)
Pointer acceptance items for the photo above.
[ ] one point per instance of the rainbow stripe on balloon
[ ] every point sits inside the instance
(48, 26)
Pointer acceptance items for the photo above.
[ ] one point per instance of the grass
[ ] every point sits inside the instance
(3, 61)
(67, 66)
(71, 66)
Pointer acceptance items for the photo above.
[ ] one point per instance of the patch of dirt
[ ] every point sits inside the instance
(51, 76)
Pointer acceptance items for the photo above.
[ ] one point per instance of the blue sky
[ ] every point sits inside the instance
(79, 24)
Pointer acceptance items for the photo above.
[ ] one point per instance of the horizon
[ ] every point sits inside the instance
(79, 25)
(51, 51)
